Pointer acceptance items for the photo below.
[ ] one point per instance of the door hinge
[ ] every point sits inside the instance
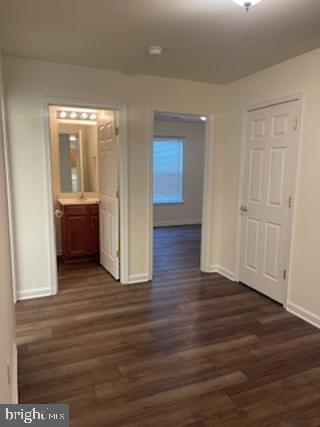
(116, 131)
(295, 124)
(284, 274)
(118, 253)
(290, 202)
(118, 194)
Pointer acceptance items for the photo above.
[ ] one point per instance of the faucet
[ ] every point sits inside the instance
(81, 196)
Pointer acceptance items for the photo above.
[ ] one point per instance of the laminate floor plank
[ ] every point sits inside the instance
(188, 349)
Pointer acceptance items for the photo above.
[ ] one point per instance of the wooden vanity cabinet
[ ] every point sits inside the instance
(93, 240)
(80, 232)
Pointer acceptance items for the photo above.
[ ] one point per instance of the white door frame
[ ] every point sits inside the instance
(123, 182)
(4, 126)
(208, 186)
(299, 97)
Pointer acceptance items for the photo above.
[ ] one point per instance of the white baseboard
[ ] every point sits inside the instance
(222, 271)
(138, 278)
(34, 293)
(304, 314)
(177, 222)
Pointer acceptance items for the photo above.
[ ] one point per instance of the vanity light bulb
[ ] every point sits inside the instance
(73, 115)
(84, 116)
(62, 115)
(93, 117)
(203, 118)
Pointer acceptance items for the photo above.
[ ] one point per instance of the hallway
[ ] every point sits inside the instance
(188, 350)
(176, 250)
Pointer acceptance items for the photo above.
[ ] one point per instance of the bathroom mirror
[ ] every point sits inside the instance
(78, 161)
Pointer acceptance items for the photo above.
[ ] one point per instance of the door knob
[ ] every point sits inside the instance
(58, 213)
(243, 209)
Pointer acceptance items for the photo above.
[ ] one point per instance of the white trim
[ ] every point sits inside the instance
(299, 97)
(223, 272)
(124, 195)
(3, 119)
(295, 193)
(123, 173)
(240, 191)
(34, 293)
(138, 278)
(177, 222)
(49, 187)
(208, 185)
(150, 196)
(304, 314)
(208, 196)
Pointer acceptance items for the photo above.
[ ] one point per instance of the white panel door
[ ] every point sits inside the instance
(270, 165)
(109, 201)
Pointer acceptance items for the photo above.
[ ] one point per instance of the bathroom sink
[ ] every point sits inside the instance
(85, 201)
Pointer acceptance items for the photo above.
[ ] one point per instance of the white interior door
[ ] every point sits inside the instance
(270, 168)
(109, 200)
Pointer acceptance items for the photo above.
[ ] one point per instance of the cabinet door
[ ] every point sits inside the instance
(75, 233)
(93, 237)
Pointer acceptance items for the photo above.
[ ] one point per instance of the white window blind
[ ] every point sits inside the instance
(168, 170)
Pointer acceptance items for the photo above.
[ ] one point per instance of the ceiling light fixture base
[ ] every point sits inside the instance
(246, 3)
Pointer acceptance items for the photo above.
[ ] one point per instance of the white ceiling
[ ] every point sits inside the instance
(205, 40)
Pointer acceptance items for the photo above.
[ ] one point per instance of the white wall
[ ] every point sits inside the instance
(8, 392)
(190, 211)
(27, 83)
(300, 74)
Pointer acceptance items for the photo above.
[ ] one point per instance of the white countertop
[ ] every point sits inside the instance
(86, 201)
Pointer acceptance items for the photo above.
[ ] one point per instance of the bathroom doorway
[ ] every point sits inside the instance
(86, 177)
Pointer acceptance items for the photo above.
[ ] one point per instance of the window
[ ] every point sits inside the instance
(168, 170)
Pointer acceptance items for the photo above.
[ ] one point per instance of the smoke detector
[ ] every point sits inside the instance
(155, 50)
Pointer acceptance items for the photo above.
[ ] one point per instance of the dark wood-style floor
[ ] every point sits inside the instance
(189, 350)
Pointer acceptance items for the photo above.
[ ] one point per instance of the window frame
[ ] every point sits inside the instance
(182, 139)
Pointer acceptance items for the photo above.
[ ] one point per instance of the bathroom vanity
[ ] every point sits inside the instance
(80, 229)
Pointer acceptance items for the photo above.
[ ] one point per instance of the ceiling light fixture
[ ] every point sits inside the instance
(155, 50)
(246, 3)
(77, 115)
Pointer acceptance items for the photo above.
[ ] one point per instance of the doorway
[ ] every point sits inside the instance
(179, 144)
(88, 159)
(267, 201)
